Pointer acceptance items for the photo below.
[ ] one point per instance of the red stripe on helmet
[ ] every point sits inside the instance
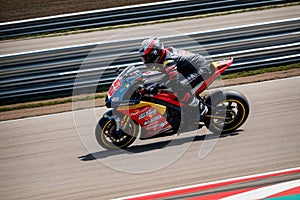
(148, 50)
(162, 56)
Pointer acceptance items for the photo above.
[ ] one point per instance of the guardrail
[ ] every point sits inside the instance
(125, 15)
(51, 71)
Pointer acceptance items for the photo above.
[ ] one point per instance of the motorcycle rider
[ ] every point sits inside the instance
(185, 71)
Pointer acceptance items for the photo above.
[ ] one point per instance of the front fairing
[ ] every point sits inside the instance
(122, 97)
(124, 82)
(127, 82)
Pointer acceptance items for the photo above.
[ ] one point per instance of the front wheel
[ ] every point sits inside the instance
(113, 135)
(228, 111)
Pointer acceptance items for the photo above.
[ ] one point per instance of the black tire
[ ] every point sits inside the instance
(109, 138)
(228, 111)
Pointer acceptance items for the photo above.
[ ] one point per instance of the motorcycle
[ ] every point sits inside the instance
(137, 113)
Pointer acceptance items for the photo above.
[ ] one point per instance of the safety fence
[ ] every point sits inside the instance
(54, 71)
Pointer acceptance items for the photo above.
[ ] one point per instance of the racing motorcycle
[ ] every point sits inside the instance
(137, 113)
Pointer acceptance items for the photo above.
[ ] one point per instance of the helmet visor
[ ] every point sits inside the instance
(148, 58)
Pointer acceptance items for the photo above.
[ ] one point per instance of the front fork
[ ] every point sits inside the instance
(120, 119)
(122, 123)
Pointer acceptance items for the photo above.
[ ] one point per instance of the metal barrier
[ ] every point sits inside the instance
(125, 15)
(55, 70)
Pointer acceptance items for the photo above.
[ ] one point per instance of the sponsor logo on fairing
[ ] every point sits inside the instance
(148, 112)
(152, 120)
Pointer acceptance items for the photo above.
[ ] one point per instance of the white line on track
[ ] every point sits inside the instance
(263, 82)
(49, 115)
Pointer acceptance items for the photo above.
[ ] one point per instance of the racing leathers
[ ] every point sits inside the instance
(185, 71)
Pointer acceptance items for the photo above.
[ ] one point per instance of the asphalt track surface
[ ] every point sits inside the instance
(174, 28)
(44, 157)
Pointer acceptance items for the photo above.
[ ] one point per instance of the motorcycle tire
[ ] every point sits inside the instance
(228, 111)
(110, 138)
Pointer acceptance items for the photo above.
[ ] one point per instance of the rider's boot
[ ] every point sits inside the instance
(192, 108)
(194, 104)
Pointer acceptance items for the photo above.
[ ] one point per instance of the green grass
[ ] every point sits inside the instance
(49, 103)
(260, 71)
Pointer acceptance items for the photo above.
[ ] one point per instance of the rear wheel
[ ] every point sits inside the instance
(227, 114)
(113, 135)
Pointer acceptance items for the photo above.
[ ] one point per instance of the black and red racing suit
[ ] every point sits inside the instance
(185, 71)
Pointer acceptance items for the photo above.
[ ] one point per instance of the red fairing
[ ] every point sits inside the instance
(220, 68)
(167, 97)
(149, 118)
